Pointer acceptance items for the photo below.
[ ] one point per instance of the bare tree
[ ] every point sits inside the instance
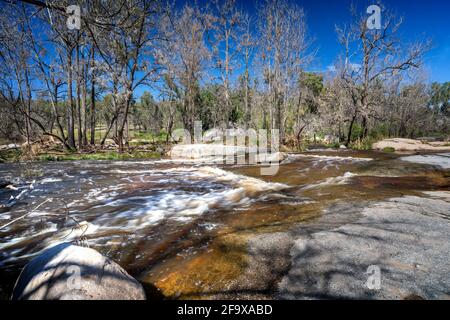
(225, 47)
(184, 56)
(247, 45)
(373, 55)
(126, 49)
(283, 46)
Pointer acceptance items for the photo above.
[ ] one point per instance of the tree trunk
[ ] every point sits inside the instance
(92, 113)
(70, 109)
(83, 102)
(349, 136)
(78, 100)
(108, 130)
(124, 121)
(364, 128)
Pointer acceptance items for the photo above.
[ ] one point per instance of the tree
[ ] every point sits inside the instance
(247, 45)
(284, 45)
(371, 56)
(226, 22)
(126, 49)
(184, 55)
(310, 88)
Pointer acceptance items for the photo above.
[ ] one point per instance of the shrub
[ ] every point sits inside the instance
(363, 144)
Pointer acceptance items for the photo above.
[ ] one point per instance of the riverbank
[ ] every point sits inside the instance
(144, 149)
(40, 153)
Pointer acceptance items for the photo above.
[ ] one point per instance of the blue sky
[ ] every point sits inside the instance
(422, 19)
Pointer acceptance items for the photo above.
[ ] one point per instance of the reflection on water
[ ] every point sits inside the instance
(184, 228)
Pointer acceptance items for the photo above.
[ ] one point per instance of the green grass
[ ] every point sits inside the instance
(147, 136)
(11, 155)
(389, 149)
(141, 136)
(333, 145)
(111, 155)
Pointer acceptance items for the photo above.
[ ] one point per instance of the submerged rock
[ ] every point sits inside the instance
(69, 272)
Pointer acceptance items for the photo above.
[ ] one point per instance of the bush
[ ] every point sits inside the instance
(356, 132)
(364, 144)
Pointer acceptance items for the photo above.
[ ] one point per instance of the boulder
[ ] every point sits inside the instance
(214, 152)
(69, 272)
(399, 144)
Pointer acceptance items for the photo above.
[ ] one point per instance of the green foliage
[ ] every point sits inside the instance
(236, 114)
(111, 155)
(363, 144)
(11, 155)
(313, 83)
(208, 103)
(356, 132)
(379, 132)
(389, 149)
(440, 97)
(144, 137)
(335, 145)
(147, 114)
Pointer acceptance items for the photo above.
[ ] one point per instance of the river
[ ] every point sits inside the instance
(183, 229)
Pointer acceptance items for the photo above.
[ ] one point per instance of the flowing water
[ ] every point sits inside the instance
(182, 229)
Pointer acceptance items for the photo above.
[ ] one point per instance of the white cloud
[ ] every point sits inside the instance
(355, 66)
(331, 68)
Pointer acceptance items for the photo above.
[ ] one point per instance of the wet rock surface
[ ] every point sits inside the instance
(406, 238)
(441, 160)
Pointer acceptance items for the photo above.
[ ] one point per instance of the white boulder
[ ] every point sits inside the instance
(69, 272)
(399, 144)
